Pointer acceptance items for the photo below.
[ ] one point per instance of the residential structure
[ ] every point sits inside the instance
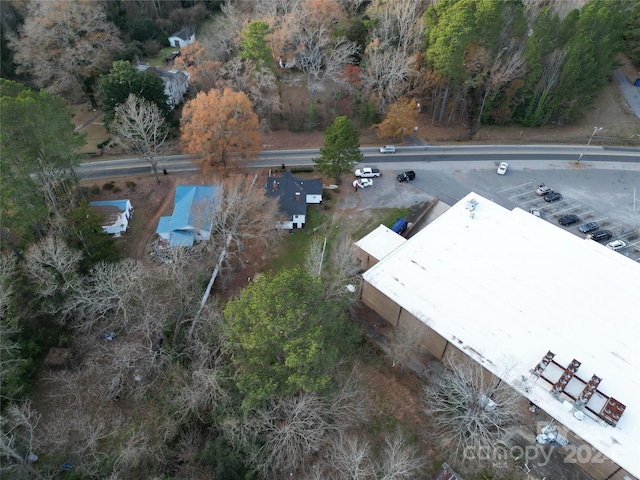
(176, 82)
(191, 219)
(550, 313)
(182, 38)
(294, 195)
(117, 214)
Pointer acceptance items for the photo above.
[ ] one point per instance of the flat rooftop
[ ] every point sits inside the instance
(380, 242)
(506, 287)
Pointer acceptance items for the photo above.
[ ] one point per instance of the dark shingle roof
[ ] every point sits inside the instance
(292, 192)
(185, 33)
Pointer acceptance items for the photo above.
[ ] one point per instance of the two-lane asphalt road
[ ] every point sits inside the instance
(475, 153)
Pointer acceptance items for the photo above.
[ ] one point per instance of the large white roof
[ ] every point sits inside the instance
(506, 287)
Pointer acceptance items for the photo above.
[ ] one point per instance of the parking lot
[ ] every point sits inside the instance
(524, 196)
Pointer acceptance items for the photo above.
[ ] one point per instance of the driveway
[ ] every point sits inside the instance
(631, 93)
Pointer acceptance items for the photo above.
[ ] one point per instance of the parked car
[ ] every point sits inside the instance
(363, 183)
(588, 227)
(600, 235)
(536, 212)
(616, 245)
(406, 176)
(400, 226)
(388, 149)
(367, 172)
(543, 189)
(568, 219)
(552, 197)
(502, 168)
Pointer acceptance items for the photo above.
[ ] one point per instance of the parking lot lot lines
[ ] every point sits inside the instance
(535, 200)
(524, 196)
(568, 209)
(505, 190)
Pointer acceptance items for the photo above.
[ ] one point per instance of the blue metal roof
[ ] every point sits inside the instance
(191, 202)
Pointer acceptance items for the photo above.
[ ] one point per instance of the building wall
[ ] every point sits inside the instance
(586, 457)
(381, 304)
(431, 343)
(366, 260)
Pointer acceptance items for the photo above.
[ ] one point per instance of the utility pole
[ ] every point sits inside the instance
(595, 129)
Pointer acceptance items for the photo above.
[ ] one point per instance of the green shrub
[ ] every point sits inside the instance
(131, 185)
(302, 170)
(108, 186)
(95, 190)
(103, 144)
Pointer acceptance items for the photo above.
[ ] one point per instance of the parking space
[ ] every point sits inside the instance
(524, 196)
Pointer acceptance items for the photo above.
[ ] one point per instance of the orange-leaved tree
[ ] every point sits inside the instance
(400, 120)
(219, 125)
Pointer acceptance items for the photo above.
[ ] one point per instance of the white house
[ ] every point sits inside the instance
(183, 37)
(512, 291)
(176, 84)
(117, 215)
(294, 194)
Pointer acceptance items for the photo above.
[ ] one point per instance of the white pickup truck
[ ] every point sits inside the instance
(367, 172)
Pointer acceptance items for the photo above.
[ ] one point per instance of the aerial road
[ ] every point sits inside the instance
(544, 154)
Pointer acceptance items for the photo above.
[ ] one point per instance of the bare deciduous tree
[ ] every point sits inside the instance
(399, 460)
(7, 272)
(339, 270)
(258, 84)
(385, 72)
(141, 128)
(405, 343)
(313, 260)
(352, 456)
(53, 266)
(389, 57)
(311, 26)
(204, 386)
(18, 441)
(468, 409)
(221, 38)
(109, 296)
(241, 210)
(284, 435)
(64, 44)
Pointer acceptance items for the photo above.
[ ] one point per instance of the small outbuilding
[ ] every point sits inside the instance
(116, 213)
(183, 37)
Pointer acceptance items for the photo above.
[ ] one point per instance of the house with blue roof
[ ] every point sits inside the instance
(116, 214)
(294, 194)
(191, 218)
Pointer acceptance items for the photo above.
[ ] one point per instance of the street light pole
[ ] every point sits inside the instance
(595, 129)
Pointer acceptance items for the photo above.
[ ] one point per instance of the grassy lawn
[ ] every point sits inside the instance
(158, 60)
(327, 223)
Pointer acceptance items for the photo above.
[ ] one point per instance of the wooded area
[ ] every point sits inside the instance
(164, 381)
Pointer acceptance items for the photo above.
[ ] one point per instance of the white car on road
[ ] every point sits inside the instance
(363, 183)
(388, 149)
(502, 169)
